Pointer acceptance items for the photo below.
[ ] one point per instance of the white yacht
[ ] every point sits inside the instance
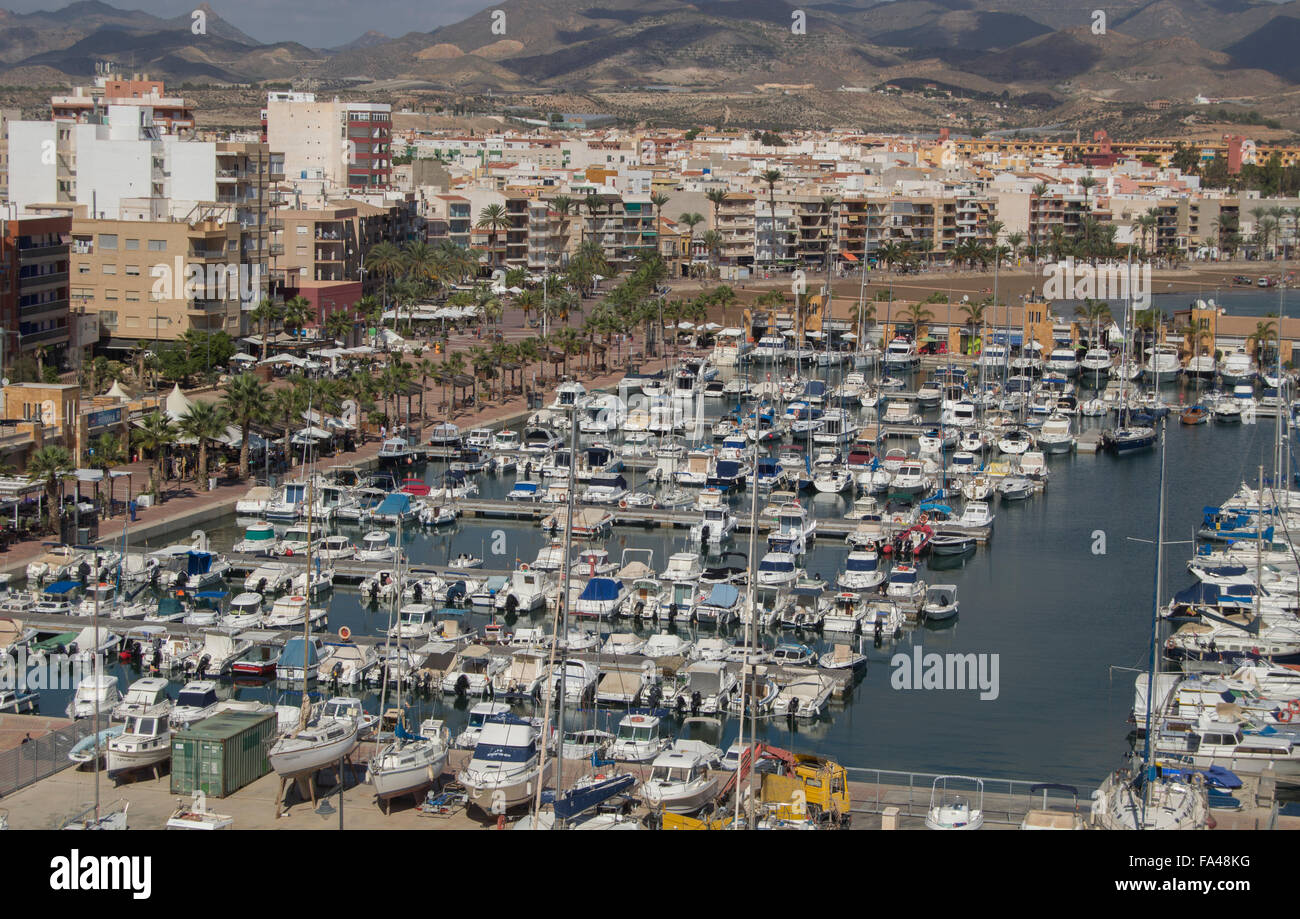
(506, 769)
(1056, 435)
(147, 741)
(1163, 365)
(1096, 362)
(1064, 361)
(862, 571)
(681, 780)
(901, 353)
(1237, 367)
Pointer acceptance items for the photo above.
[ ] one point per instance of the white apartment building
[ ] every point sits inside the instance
(345, 144)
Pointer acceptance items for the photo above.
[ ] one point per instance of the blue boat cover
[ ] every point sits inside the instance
(395, 503)
(600, 589)
(723, 596)
(212, 594)
(58, 588)
(729, 469)
(292, 655)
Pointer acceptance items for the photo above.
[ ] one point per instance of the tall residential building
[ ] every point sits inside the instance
(34, 286)
(149, 277)
(6, 115)
(347, 144)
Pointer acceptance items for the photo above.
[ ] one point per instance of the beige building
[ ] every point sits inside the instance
(155, 280)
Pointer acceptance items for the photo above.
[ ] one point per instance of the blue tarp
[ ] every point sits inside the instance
(212, 594)
(292, 654)
(394, 504)
(58, 588)
(198, 563)
(814, 388)
(729, 469)
(1199, 594)
(599, 589)
(723, 596)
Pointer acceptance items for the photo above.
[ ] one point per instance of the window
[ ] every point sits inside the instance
(301, 229)
(83, 268)
(133, 296)
(157, 245)
(110, 269)
(133, 271)
(132, 244)
(108, 318)
(108, 241)
(110, 294)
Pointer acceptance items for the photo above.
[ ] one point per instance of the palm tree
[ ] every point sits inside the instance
(691, 220)
(1264, 333)
(154, 433)
(918, 316)
(298, 311)
(265, 314)
(205, 421)
(339, 326)
(659, 199)
(716, 197)
(1014, 242)
(50, 463)
(106, 452)
(712, 240)
(974, 315)
(1094, 313)
(386, 261)
(286, 405)
(1087, 183)
(247, 403)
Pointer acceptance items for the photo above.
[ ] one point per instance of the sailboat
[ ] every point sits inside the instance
(1135, 798)
(312, 747)
(412, 762)
(1128, 438)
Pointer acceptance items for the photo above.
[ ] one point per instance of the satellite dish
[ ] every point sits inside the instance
(4, 382)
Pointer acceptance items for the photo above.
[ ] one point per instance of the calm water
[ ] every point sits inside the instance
(1058, 616)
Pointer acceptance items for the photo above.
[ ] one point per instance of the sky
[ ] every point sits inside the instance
(315, 23)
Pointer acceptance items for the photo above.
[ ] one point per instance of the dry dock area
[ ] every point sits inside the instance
(881, 800)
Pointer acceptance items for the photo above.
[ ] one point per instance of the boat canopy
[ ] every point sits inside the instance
(396, 503)
(292, 655)
(601, 589)
(723, 596)
(58, 588)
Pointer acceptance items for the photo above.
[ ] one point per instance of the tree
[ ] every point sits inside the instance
(106, 452)
(286, 407)
(386, 261)
(205, 421)
(339, 326)
(154, 434)
(298, 311)
(1259, 340)
(48, 465)
(247, 402)
(691, 220)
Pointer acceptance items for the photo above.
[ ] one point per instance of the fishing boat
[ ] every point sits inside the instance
(146, 696)
(98, 692)
(940, 602)
(146, 741)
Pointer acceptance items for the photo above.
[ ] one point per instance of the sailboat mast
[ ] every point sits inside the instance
(98, 671)
(1154, 663)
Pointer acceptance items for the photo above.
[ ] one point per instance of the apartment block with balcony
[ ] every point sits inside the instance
(171, 113)
(345, 144)
(736, 224)
(155, 280)
(34, 307)
(448, 218)
(322, 244)
(548, 236)
(776, 240)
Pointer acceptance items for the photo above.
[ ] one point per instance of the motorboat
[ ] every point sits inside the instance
(1096, 362)
(377, 546)
(414, 620)
(269, 578)
(1064, 361)
(804, 697)
(1163, 365)
(940, 602)
(527, 591)
(682, 566)
(336, 548)
(96, 692)
(640, 738)
(505, 770)
(778, 568)
(862, 571)
(1056, 436)
(702, 687)
(196, 701)
(955, 811)
(681, 780)
(1237, 367)
(259, 539)
(471, 671)
(146, 696)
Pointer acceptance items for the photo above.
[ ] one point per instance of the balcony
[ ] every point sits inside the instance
(38, 281)
(35, 252)
(207, 255)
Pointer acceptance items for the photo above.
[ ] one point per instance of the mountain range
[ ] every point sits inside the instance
(1151, 49)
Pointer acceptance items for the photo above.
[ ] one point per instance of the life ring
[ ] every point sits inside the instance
(345, 633)
(924, 518)
(1284, 715)
(623, 504)
(1293, 706)
(523, 566)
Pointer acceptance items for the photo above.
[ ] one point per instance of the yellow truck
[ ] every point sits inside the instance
(814, 789)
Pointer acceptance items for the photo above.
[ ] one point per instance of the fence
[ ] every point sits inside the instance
(1005, 800)
(41, 756)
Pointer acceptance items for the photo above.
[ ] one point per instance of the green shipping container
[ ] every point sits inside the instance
(220, 755)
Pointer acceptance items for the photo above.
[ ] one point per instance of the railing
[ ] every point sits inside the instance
(1005, 800)
(42, 756)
